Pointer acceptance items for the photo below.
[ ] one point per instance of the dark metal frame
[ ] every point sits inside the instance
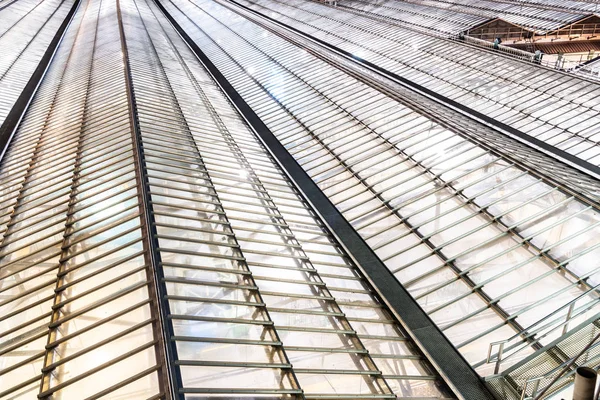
(170, 380)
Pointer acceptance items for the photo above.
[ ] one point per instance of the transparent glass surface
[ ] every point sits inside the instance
(26, 29)
(548, 16)
(467, 232)
(218, 257)
(261, 297)
(558, 108)
(76, 317)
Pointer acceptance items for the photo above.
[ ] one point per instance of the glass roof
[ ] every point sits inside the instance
(76, 316)
(484, 245)
(148, 235)
(558, 108)
(27, 28)
(540, 18)
(575, 5)
(591, 68)
(445, 20)
(452, 17)
(151, 243)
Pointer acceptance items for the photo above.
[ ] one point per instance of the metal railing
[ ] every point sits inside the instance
(558, 63)
(551, 369)
(573, 31)
(589, 70)
(518, 53)
(552, 323)
(560, 376)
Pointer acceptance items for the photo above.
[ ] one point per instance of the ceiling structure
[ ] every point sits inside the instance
(292, 199)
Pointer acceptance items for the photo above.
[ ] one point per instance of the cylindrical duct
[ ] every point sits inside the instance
(585, 384)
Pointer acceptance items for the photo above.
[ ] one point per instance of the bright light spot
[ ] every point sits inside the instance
(243, 174)
(102, 357)
(250, 70)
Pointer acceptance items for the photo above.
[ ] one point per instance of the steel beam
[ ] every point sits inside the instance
(170, 379)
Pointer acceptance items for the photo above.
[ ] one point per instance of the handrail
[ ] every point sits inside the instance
(523, 343)
(592, 67)
(564, 65)
(558, 64)
(505, 50)
(521, 54)
(569, 305)
(564, 367)
(529, 332)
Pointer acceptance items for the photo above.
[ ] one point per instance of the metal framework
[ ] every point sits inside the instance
(77, 310)
(153, 248)
(557, 108)
(533, 15)
(402, 171)
(29, 36)
(278, 199)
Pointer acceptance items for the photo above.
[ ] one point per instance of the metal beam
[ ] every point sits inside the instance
(455, 370)
(170, 380)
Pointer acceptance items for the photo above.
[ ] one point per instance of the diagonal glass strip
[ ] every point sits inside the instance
(543, 19)
(29, 272)
(261, 299)
(198, 324)
(558, 108)
(78, 319)
(26, 29)
(226, 220)
(456, 223)
(446, 21)
(544, 16)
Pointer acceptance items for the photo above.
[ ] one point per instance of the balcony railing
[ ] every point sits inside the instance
(507, 352)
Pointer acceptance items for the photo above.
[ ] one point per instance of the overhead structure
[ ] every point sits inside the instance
(569, 34)
(537, 18)
(152, 247)
(286, 199)
(26, 32)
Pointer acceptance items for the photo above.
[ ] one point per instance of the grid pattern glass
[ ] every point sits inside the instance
(257, 287)
(483, 245)
(440, 19)
(536, 16)
(133, 184)
(26, 29)
(585, 6)
(558, 108)
(76, 314)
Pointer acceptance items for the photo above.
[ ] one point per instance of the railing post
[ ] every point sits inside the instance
(526, 386)
(499, 358)
(569, 313)
(536, 385)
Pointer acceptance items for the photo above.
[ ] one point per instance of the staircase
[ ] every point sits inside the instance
(526, 379)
